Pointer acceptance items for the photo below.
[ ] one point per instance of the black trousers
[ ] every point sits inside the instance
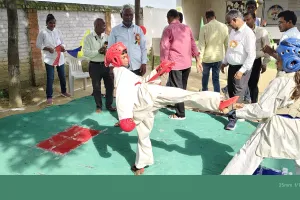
(98, 71)
(179, 79)
(253, 81)
(237, 87)
(137, 72)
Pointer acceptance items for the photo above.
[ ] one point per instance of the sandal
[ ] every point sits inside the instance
(175, 117)
(137, 171)
(112, 109)
(98, 110)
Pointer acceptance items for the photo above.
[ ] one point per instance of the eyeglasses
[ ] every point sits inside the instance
(228, 23)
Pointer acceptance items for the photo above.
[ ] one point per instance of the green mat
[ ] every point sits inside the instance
(198, 145)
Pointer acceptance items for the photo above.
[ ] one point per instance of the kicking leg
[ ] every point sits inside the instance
(245, 162)
(205, 101)
(144, 154)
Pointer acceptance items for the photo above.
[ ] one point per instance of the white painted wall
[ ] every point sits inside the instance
(115, 19)
(73, 25)
(155, 20)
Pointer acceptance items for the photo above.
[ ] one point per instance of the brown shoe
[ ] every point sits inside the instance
(66, 94)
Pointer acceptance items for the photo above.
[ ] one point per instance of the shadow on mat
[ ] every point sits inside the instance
(214, 155)
(118, 141)
(167, 111)
(19, 135)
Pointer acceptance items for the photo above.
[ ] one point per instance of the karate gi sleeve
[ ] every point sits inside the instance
(266, 107)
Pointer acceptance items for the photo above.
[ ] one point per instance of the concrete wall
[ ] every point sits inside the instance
(115, 19)
(155, 21)
(72, 19)
(72, 24)
(23, 48)
(193, 10)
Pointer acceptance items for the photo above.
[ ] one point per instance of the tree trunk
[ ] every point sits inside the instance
(15, 99)
(137, 6)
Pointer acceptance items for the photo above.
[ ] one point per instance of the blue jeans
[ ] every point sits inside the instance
(215, 67)
(50, 79)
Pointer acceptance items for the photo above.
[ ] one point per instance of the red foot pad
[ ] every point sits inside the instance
(228, 102)
(66, 141)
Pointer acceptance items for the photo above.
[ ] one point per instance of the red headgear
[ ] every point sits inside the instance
(113, 54)
(144, 29)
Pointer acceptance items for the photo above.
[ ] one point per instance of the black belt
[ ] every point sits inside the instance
(96, 62)
(235, 65)
(288, 116)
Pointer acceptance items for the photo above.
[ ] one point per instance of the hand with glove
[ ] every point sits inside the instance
(127, 125)
(164, 67)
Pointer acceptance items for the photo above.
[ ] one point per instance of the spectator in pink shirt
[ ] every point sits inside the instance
(177, 44)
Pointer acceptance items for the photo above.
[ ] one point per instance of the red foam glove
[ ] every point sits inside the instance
(127, 125)
(164, 67)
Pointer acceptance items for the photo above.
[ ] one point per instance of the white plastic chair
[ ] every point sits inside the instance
(75, 72)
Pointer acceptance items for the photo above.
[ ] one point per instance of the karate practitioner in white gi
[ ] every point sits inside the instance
(138, 99)
(278, 134)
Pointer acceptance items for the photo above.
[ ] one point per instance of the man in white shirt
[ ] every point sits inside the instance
(251, 7)
(94, 49)
(259, 65)
(133, 38)
(286, 23)
(240, 57)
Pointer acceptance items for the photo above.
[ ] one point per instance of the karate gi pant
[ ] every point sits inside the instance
(162, 96)
(245, 162)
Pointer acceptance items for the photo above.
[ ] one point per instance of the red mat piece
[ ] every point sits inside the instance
(66, 141)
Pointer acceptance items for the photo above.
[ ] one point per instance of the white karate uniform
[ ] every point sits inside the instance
(276, 136)
(141, 101)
